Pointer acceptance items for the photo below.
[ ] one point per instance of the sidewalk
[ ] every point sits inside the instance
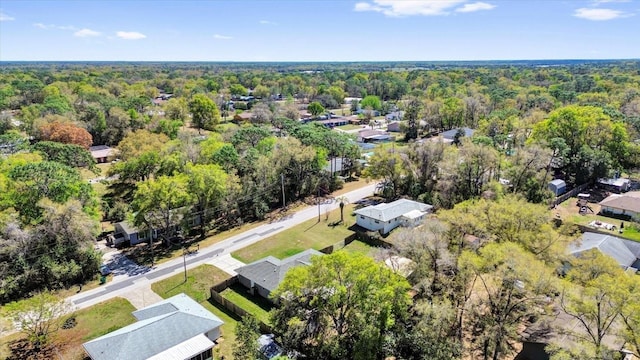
(226, 263)
(138, 277)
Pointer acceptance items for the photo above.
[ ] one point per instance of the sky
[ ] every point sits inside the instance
(318, 30)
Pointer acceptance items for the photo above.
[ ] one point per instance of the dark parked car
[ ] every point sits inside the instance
(105, 270)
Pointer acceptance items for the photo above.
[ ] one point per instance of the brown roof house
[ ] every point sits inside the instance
(626, 205)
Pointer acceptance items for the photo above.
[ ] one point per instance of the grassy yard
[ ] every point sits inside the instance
(226, 126)
(255, 305)
(309, 234)
(198, 285)
(92, 323)
(568, 211)
(141, 254)
(359, 247)
(349, 127)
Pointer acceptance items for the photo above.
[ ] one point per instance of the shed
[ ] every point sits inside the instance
(558, 187)
(394, 126)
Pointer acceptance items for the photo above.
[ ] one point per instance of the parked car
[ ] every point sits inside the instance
(105, 270)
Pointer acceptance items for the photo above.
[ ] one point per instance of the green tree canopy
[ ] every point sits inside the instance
(315, 108)
(204, 111)
(372, 102)
(342, 306)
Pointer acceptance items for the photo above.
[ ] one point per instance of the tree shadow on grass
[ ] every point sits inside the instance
(175, 287)
(263, 303)
(311, 227)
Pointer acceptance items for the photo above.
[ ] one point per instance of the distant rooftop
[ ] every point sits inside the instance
(451, 134)
(101, 151)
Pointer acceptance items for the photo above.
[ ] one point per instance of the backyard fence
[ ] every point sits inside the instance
(339, 245)
(573, 192)
(233, 307)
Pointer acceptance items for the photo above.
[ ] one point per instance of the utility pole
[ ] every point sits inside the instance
(284, 204)
(151, 244)
(184, 259)
(318, 199)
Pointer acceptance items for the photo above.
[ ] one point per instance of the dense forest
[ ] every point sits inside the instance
(185, 151)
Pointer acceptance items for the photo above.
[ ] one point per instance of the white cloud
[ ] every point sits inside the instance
(609, 1)
(478, 6)
(267, 22)
(130, 35)
(86, 33)
(5, 17)
(397, 8)
(597, 14)
(222, 37)
(53, 26)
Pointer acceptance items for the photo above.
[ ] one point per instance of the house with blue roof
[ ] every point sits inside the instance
(177, 328)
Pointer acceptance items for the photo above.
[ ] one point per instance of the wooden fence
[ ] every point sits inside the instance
(573, 192)
(231, 306)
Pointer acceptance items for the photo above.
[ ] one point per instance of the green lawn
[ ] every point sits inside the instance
(254, 305)
(92, 323)
(198, 285)
(632, 233)
(349, 127)
(359, 247)
(568, 211)
(227, 126)
(309, 234)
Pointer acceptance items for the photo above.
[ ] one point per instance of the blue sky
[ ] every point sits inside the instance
(318, 30)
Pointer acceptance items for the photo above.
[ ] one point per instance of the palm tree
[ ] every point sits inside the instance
(343, 201)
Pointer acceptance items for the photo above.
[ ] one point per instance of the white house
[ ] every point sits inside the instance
(627, 204)
(177, 328)
(386, 217)
(102, 153)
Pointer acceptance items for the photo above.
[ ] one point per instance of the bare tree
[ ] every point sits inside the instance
(38, 317)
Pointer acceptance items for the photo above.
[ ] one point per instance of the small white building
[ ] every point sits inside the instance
(386, 217)
(102, 153)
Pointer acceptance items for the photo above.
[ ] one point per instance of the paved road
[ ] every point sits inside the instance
(144, 276)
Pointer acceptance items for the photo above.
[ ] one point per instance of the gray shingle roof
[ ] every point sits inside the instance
(127, 227)
(451, 134)
(100, 151)
(162, 326)
(269, 272)
(625, 252)
(393, 210)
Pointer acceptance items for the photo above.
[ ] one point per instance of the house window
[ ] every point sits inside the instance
(362, 217)
(206, 355)
(377, 222)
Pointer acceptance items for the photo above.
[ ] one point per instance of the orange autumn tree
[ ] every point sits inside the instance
(65, 133)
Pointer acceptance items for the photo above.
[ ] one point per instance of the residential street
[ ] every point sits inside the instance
(141, 278)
